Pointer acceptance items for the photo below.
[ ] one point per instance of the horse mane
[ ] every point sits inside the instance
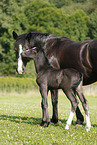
(34, 35)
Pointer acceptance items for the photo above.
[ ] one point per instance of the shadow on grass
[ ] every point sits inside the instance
(19, 119)
(34, 121)
(94, 125)
(28, 120)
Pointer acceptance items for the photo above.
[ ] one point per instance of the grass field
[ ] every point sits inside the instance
(20, 117)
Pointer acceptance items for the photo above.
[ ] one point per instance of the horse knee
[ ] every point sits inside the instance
(44, 105)
(74, 105)
(85, 105)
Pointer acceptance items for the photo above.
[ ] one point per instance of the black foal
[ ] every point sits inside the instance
(48, 78)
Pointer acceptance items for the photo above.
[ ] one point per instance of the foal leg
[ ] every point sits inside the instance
(54, 96)
(85, 107)
(44, 105)
(68, 123)
(80, 117)
(74, 102)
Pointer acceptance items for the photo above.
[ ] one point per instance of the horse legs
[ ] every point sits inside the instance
(74, 102)
(80, 118)
(85, 107)
(69, 120)
(44, 105)
(54, 96)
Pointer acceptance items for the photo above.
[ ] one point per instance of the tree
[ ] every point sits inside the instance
(92, 24)
(31, 9)
(49, 19)
(54, 20)
(77, 28)
(9, 9)
(60, 3)
(41, 16)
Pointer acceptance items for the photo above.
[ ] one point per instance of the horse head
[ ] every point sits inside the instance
(21, 44)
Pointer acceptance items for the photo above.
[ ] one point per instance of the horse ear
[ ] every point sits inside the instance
(28, 37)
(15, 35)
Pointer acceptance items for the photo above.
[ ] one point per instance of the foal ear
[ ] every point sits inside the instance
(28, 37)
(15, 35)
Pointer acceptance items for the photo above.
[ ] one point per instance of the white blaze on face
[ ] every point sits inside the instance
(20, 63)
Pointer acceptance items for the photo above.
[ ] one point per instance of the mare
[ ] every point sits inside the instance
(19, 47)
(48, 78)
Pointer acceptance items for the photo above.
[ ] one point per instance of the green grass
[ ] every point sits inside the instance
(20, 117)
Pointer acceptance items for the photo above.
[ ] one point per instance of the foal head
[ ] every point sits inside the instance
(37, 54)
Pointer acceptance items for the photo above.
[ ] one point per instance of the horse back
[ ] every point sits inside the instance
(69, 54)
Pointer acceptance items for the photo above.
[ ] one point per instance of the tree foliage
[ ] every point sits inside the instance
(92, 24)
(60, 3)
(54, 20)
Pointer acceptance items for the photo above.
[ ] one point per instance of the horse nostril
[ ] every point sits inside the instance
(20, 72)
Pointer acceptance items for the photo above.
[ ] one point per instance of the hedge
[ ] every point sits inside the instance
(17, 84)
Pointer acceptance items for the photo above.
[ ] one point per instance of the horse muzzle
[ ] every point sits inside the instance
(20, 72)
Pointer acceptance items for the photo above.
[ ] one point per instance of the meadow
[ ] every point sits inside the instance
(20, 118)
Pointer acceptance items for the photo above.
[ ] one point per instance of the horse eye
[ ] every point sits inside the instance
(15, 48)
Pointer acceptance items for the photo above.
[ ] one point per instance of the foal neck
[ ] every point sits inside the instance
(41, 63)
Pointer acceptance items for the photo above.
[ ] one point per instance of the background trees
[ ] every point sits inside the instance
(71, 18)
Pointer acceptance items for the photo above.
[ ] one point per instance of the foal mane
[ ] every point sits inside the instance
(38, 43)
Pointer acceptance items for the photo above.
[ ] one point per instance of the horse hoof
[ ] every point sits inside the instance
(44, 123)
(53, 120)
(88, 128)
(41, 124)
(67, 127)
(79, 122)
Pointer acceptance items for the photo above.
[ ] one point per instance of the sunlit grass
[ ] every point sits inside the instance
(20, 118)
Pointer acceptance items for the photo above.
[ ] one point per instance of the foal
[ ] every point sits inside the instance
(48, 78)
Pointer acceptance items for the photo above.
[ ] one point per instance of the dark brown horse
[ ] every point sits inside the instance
(55, 48)
(65, 53)
(81, 56)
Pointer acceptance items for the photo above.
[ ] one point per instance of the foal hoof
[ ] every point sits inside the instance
(88, 128)
(67, 127)
(44, 123)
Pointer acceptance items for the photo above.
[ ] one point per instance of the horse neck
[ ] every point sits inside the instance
(40, 37)
(40, 62)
